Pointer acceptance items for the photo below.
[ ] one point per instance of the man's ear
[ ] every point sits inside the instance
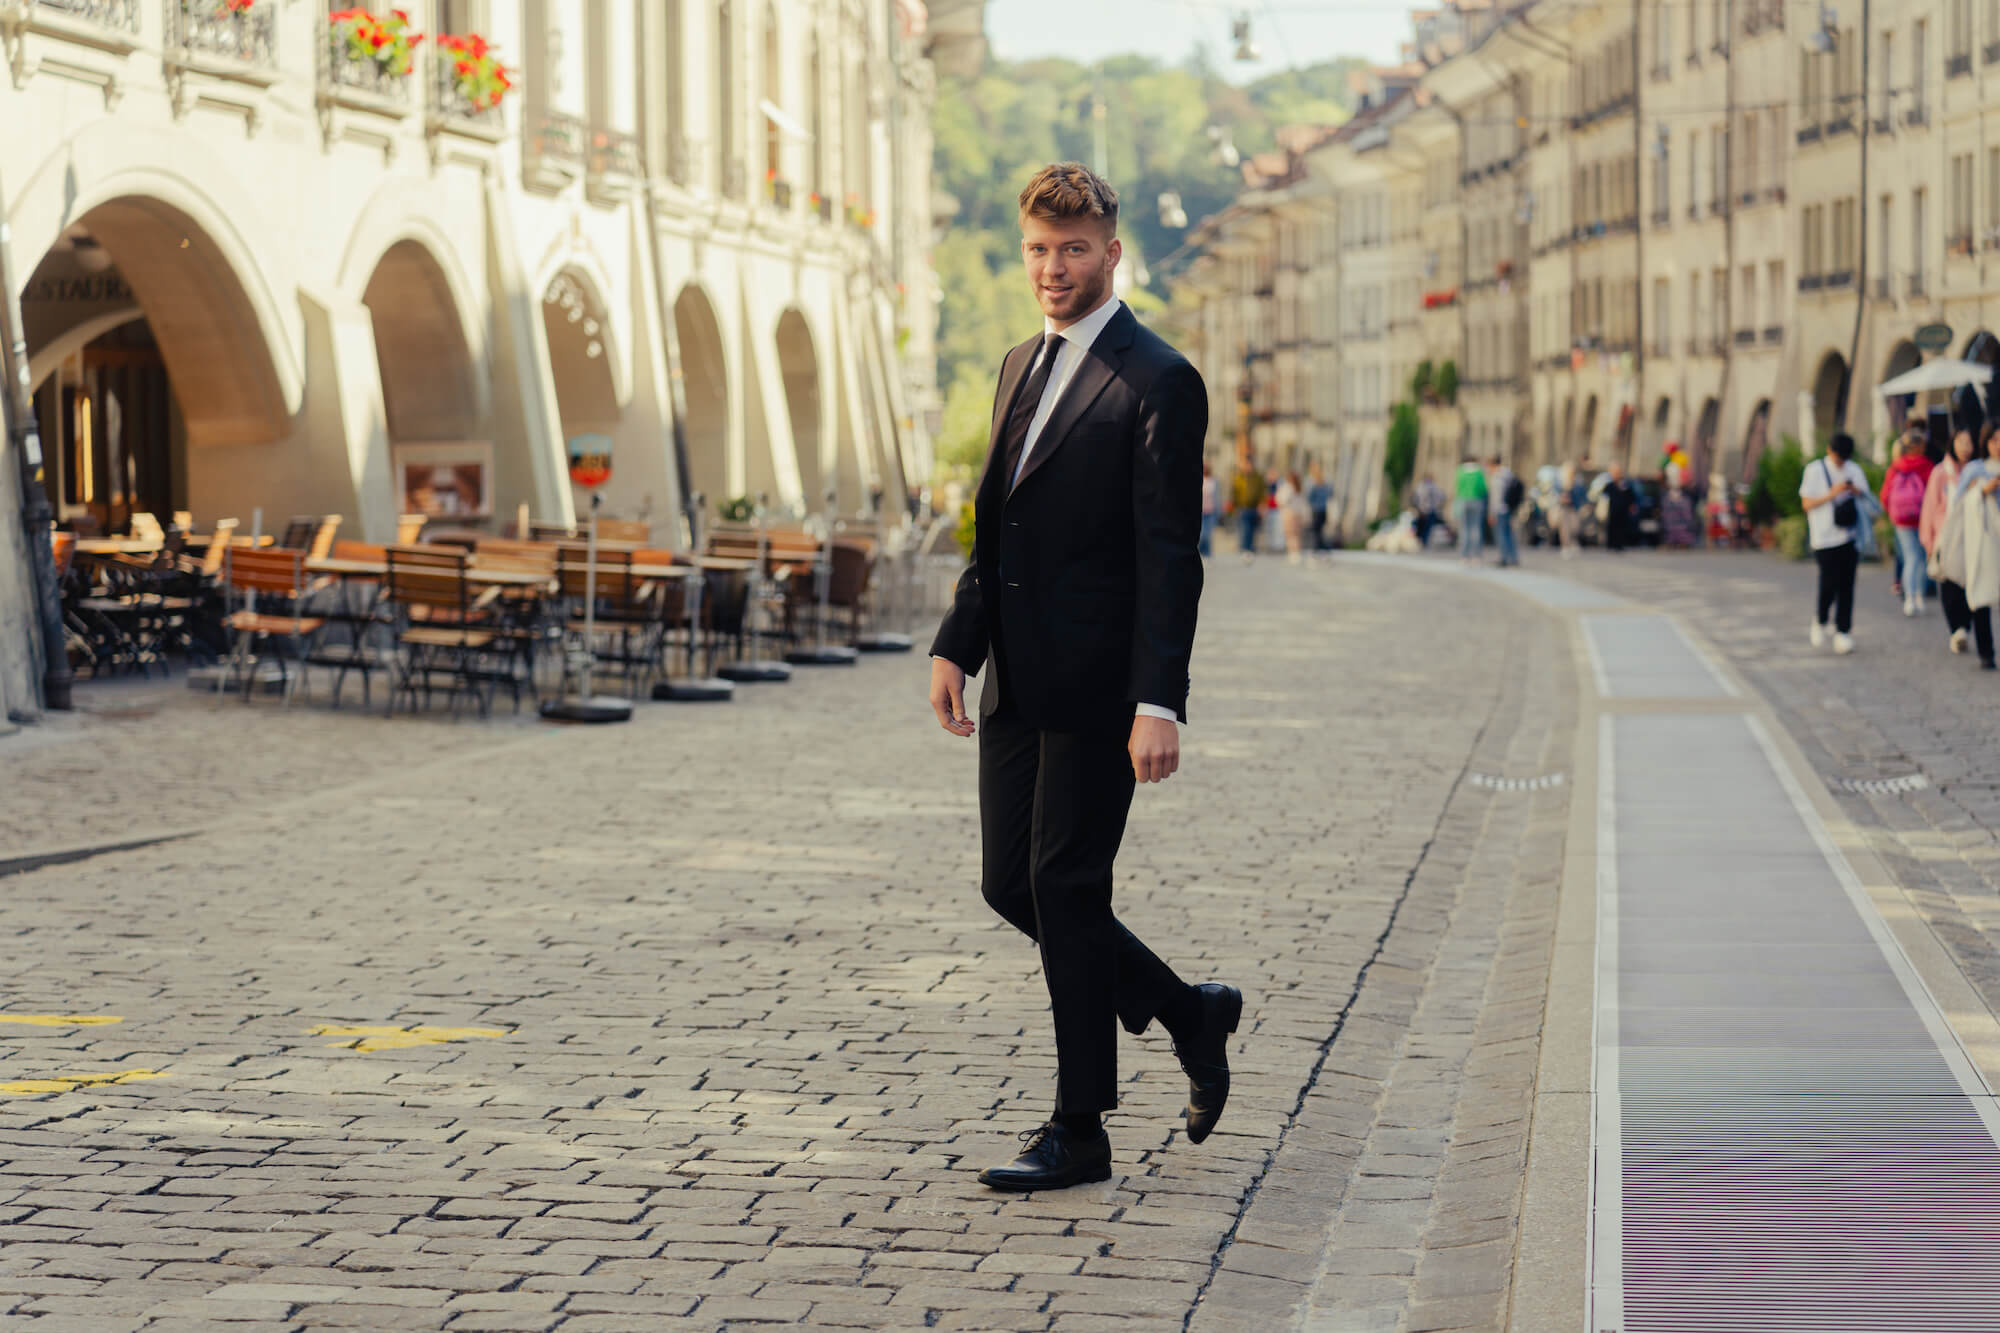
(1113, 250)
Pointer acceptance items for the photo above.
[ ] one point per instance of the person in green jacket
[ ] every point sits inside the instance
(1472, 497)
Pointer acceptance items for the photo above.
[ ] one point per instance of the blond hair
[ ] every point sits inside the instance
(1068, 192)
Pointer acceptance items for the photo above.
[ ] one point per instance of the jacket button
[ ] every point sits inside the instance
(1013, 585)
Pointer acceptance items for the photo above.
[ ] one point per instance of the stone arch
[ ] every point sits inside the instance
(216, 346)
(577, 326)
(1984, 348)
(141, 190)
(1756, 438)
(1829, 397)
(1587, 440)
(705, 376)
(430, 390)
(799, 367)
(1701, 450)
(1903, 356)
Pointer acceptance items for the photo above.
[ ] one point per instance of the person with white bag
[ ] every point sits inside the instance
(1972, 541)
(1931, 530)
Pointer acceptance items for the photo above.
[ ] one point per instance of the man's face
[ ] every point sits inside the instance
(1069, 265)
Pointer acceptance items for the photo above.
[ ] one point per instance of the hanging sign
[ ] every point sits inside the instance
(1933, 337)
(590, 460)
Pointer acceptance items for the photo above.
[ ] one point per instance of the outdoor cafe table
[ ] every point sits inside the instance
(118, 545)
(376, 569)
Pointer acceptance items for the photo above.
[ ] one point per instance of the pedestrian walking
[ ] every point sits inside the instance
(1294, 516)
(1972, 540)
(1211, 497)
(1319, 495)
(1614, 509)
(1472, 495)
(1246, 494)
(1572, 494)
(1429, 503)
(1931, 531)
(1678, 528)
(1904, 486)
(1509, 493)
(1084, 553)
(1831, 492)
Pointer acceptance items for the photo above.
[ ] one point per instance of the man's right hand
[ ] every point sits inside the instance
(948, 696)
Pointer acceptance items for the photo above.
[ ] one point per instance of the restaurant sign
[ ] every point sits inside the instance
(1933, 337)
(590, 460)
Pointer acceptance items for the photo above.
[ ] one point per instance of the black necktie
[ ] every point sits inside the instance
(1015, 437)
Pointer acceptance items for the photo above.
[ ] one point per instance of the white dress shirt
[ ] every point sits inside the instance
(1069, 346)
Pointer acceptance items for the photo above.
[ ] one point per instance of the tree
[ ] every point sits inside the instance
(1399, 455)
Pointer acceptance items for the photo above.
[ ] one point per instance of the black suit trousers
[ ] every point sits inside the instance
(1052, 807)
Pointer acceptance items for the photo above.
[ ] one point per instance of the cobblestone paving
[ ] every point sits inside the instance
(700, 1022)
(1901, 704)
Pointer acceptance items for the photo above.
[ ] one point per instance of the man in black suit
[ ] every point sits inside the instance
(1081, 600)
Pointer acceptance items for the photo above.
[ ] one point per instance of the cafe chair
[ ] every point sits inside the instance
(278, 578)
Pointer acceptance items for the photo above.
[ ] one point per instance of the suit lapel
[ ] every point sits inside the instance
(1100, 366)
(1013, 369)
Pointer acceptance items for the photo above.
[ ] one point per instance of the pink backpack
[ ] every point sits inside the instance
(1906, 498)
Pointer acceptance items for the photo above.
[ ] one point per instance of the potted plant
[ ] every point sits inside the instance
(389, 43)
(476, 73)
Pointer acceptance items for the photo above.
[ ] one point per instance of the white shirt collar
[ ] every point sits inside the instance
(1084, 332)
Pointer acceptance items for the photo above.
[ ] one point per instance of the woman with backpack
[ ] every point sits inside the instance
(1903, 489)
(1831, 492)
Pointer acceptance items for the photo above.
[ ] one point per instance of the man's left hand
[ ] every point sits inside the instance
(1155, 749)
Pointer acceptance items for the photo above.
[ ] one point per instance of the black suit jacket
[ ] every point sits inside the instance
(1084, 579)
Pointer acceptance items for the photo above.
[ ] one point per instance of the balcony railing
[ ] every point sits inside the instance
(371, 78)
(1916, 115)
(1958, 64)
(1885, 289)
(1811, 282)
(1808, 134)
(1885, 124)
(1959, 243)
(780, 191)
(1663, 217)
(612, 163)
(120, 14)
(1991, 53)
(1745, 337)
(1840, 278)
(553, 148)
(449, 102)
(1917, 290)
(1774, 334)
(1842, 124)
(198, 28)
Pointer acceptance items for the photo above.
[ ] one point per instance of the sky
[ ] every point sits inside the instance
(1302, 32)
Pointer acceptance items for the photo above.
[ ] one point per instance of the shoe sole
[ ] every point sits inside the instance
(1095, 1176)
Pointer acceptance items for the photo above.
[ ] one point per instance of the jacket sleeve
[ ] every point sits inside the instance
(1166, 532)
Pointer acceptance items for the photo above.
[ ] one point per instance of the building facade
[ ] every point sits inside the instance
(1708, 226)
(275, 265)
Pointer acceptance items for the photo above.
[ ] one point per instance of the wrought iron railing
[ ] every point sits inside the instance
(613, 153)
(207, 28)
(110, 13)
(450, 101)
(556, 136)
(344, 72)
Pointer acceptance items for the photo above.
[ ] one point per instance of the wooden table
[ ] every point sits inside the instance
(118, 545)
(376, 569)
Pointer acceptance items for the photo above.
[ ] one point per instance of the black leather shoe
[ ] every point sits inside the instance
(1054, 1159)
(1205, 1057)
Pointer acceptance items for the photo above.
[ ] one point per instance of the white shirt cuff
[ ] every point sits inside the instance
(1154, 710)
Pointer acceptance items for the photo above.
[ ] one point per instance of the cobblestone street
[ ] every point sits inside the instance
(700, 1022)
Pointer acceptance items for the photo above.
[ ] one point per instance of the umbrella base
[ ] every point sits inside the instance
(755, 671)
(588, 708)
(884, 643)
(831, 655)
(699, 690)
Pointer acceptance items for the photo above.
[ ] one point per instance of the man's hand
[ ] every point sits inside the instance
(1155, 749)
(948, 696)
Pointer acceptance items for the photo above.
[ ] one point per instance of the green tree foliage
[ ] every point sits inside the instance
(993, 132)
(1775, 492)
(1399, 454)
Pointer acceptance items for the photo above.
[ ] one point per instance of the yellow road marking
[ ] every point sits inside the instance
(61, 1020)
(376, 1038)
(71, 1082)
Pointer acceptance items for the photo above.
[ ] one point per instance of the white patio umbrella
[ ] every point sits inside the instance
(1941, 374)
